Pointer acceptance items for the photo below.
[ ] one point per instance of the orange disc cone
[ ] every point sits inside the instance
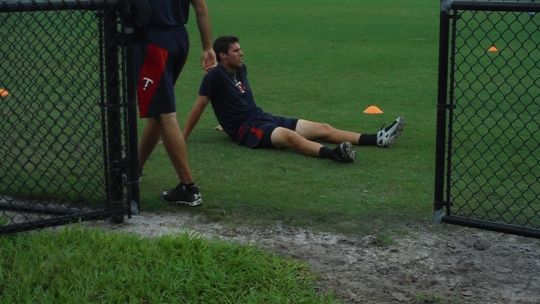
(373, 110)
(493, 49)
(4, 93)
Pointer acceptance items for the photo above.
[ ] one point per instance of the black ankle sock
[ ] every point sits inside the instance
(188, 186)
(326, 152)
(367, 140)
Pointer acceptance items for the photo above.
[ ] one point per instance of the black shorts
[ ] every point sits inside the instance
(158, 65)
(257, 132)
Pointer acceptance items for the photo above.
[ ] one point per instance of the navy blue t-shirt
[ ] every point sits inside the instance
(168, 13)
(231, 97)
(166, 27)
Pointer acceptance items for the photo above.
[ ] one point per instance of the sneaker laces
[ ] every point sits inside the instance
(387, 136)
(389, 127)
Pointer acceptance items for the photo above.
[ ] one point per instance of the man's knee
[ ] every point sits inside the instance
(285, 137)
(322, 130)
(314, 130)
(165, 119)
(326, 128)
(294, 139)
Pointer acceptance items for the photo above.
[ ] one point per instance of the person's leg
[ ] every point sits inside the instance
(160, 66)
(149, 139)
(385, 137)
(286, 138)
(325, 132)
(186, 192)
(174, 144)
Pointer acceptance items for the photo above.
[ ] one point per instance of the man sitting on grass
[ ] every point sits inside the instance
(227, 87)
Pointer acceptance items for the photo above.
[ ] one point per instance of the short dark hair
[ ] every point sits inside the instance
(223, 43)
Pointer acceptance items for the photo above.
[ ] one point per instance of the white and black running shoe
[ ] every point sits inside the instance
(387, 136)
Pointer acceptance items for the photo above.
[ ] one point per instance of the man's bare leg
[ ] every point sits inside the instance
(174, 143)
(149, 140)
(385, 137)
(285, 138)
(325, 132)
(166, 126)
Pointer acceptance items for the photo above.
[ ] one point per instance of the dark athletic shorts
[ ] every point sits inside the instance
(257, 132)
(158, 65)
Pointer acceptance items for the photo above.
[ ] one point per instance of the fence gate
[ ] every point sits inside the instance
(67, 124)
(488, 116)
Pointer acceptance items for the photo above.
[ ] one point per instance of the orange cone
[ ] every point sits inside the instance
(4, 93)
(493, 49)
(373, 110)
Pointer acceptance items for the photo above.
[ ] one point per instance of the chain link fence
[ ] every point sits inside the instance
(63, 108)
(491, 112)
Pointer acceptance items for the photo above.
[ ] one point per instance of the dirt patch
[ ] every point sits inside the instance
(433, 263)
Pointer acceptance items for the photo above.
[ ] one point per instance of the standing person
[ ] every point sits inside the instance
(228, 89)
(160, 60)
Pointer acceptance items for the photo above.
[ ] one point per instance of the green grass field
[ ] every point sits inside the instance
(315, 59)
(323, 61)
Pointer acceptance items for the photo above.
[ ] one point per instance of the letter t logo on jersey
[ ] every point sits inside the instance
(241, 87)
(147, 82)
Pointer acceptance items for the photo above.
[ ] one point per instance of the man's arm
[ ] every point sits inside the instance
(208, 59)
(195, 114)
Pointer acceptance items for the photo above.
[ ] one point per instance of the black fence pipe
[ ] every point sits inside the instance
(441, 111)
(451, 105)
(496, 6)
(113, 108)
(505, 228)
(33, 6)
(103, 105)
(57, 221)
(38, 209)
(132, 143)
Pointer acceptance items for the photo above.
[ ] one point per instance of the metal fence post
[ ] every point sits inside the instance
(114, 125)
(133, 174)
(444, 30)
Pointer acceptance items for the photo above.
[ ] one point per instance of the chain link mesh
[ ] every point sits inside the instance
(494, 139)
(53, 125)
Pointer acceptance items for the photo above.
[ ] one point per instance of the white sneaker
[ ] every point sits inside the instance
(387, 136)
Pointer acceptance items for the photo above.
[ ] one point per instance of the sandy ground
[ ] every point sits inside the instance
(431, 264)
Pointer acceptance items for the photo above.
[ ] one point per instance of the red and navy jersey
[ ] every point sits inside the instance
(231, 97)
(168, 13)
